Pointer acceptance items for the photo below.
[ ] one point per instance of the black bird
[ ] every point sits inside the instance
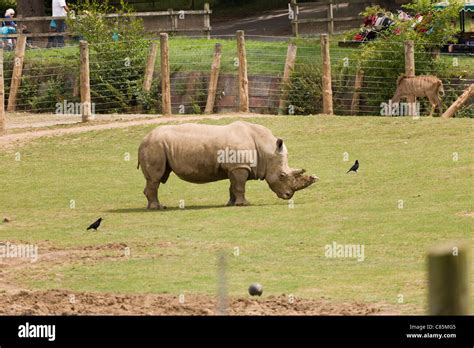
(95, 225)
(354, 167)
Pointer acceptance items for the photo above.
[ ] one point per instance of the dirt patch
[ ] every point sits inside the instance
(466, 214)
(15, 300)
(50, 257)
(60, 302)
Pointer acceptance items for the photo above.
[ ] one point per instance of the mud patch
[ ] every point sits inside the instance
(60, 302)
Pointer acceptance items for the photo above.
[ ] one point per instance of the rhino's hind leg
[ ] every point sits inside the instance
(151, 193)
(238, 178)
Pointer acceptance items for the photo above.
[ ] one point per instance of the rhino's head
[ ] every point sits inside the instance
(285, 181)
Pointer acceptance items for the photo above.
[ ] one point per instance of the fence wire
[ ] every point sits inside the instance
(50, 80)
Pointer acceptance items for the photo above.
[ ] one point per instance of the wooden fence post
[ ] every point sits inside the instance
(86, 106)
(289, 66)
(150, 67)
(207, 20)
(448, 279)
(330, 18)
(213, 79)
(327, 83)
(359, 79)
(3, 121)
(410, 72)
(165, 75)
(468, 93)
(17, 71)
(243, 78)
(294, 21)
(173, 20)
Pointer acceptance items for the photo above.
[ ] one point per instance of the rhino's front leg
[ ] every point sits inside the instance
(238, 178)
(231, 197)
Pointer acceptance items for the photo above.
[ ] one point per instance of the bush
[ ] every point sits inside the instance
(118, 52)
(383, 59)
(305, 90)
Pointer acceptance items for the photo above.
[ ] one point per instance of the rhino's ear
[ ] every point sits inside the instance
(279, 144)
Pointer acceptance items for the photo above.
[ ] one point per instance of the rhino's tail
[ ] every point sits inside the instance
(138, 164)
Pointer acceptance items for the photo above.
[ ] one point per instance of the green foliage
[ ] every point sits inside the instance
(305, 90)
(118, 54)
(438, 26)
(383, 59)
(49, 76)
(5, 4)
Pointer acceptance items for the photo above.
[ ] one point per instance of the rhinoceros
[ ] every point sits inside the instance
(200, 153)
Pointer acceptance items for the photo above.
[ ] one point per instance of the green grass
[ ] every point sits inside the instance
(175, 251)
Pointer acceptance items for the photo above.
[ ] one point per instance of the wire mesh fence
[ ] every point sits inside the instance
(363, 82)
(365, 85)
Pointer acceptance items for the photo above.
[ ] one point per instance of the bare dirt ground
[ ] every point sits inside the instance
(15, 299)
(59, 302)
(18, 300)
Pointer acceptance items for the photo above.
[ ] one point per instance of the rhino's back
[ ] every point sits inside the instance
(191, 149)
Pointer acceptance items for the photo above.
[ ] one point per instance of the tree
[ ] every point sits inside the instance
(32, 8)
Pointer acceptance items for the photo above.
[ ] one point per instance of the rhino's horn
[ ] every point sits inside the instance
(297, 172)
(303, 181)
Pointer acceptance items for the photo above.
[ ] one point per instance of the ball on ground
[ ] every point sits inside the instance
(255, 289)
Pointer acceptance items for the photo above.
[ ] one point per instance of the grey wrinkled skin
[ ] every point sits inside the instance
(191, 152)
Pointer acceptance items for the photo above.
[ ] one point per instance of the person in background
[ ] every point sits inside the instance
(8, 27)
(8, 19)
(60, 9)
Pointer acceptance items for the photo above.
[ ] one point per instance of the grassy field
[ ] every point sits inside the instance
(283, 248)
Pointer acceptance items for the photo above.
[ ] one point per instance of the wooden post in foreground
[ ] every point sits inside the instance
(150, 67)
(86, 106)
(289, 66)
(327, 84)
(468, 94)
(357, 87)
(213, 79)
(410, 72)
(448, 279)
(17, 71)
(243, 78)
(165, 75)
(3, 121)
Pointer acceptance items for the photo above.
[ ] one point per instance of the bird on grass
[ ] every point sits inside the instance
(354, 167)
(95, 225)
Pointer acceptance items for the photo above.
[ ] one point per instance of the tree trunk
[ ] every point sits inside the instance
(32, 8)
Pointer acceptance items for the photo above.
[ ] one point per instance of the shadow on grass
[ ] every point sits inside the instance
(190, 207)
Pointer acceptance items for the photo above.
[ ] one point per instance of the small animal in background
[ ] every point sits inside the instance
(95, 225)
(354, 168)
(420, 86)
